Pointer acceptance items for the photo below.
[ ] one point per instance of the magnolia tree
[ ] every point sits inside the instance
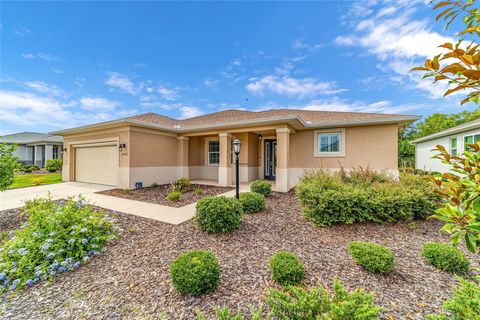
(459, 66)
(8, 165)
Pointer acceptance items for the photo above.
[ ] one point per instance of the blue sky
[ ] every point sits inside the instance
(70, 64)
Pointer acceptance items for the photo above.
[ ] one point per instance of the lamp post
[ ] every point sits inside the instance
(236, 149)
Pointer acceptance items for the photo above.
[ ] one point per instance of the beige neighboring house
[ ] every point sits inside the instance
(276, 145)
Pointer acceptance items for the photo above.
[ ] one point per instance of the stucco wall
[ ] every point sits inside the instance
(423, 153)
(152, 149)
(374, 146)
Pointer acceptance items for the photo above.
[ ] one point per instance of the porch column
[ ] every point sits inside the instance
(225, 167)
(283, 140)
(182, 156)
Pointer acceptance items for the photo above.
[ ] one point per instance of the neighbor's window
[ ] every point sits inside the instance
(453, 146)
(329, 142)
(471, 139)
(213, 152)
(55, 152)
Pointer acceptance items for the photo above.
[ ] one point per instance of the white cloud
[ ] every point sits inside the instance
(29, 56)
(151, 102)
(45, 88)
(168, 93)
(22, 32)
(300, 44)
(89, 103)
(399, 42)
(57, 71)
(288, 86)
(189, 112)
(122, 82)
(211, 83)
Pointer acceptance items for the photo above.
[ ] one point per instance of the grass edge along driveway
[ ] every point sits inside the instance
(31, 180)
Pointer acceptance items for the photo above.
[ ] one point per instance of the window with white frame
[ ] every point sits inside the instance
(330, 143)
(54, 152)
(470, 139)
(213, 152)
(453, 146)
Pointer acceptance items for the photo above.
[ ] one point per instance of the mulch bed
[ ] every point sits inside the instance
(158, 195)
(131, 279)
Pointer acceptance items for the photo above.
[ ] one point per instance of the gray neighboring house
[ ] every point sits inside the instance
(35, 148)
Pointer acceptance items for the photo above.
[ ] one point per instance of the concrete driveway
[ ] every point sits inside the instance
(15, 198)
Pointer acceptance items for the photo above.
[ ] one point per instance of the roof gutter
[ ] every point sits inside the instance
(475, 124)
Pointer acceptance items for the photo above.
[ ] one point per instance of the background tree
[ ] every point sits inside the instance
(8, 165)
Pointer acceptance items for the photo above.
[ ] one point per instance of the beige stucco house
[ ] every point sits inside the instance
(276, 144)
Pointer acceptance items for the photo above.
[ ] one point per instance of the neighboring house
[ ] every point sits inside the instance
(276, 144)
(35, 148)
(455, 140)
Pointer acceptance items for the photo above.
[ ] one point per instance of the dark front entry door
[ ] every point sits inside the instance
(270, 159)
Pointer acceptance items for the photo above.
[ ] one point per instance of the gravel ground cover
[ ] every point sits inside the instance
(130, 280)
(158, 195)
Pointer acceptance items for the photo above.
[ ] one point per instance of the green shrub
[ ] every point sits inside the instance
(226, 314)
(154, 185)
(371, 256)
(464, 304)
(286, 268)
(195, 272)
(218, 214)
(33, 167)
(326, 199)
(57, 237)
(261, 186)
(301, 304)
(126, 191)
(181, 185)
(363, 176)
(252, 202)
(198, 191)
(174, 195)
(446, 257)
(54, 165)
(27, 170)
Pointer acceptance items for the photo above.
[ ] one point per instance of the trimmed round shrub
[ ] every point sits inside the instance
(261, 186)
(371, 256)
(195, 272)
(54, 165)
(174, 195)
(287, 268)
(252, 202)
(446, 257)
(218, 214)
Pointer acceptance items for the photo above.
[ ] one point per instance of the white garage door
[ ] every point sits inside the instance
(96, 164)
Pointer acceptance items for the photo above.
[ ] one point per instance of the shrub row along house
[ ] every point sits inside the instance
(276, 144)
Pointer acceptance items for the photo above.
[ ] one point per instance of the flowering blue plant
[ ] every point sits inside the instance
(57, 237)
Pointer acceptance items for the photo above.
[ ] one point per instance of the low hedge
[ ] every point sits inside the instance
(218, 214)
(195, 272)
(446, 257)
(252, 202)
(328, 200)
(261, 186)
(54, 165)
(286, 268)
(371, 256)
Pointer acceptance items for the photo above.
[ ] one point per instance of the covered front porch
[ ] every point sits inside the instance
(208, 156)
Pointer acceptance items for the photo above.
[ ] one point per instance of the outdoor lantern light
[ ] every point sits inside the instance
(236, 149)
(121, 146)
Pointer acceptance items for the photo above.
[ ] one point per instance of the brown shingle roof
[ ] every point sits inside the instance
(224, 117)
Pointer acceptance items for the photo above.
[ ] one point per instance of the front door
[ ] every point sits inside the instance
(270, 159)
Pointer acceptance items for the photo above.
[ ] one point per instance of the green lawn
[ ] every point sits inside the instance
(30, 180)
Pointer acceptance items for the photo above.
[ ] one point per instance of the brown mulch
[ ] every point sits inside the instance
(131, 279)
(11, 219)
(158, 195)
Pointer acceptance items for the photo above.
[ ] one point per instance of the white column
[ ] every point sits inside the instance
(283, 141)
(224, 169)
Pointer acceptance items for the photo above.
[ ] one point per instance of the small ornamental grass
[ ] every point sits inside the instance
(195, 272)
(174, 195)
(371, 256)
(316, 303)
(218, 214)
(57, 237)
(181, 185)
(261, 186)
(198, 191)
(446, 257)
(286, 268)
(252, 202)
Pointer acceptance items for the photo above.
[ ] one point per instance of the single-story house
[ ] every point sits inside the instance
(275, 144)
(455, 140)
(35, 148)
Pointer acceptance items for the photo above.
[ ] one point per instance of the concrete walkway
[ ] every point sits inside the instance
(15, 198)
